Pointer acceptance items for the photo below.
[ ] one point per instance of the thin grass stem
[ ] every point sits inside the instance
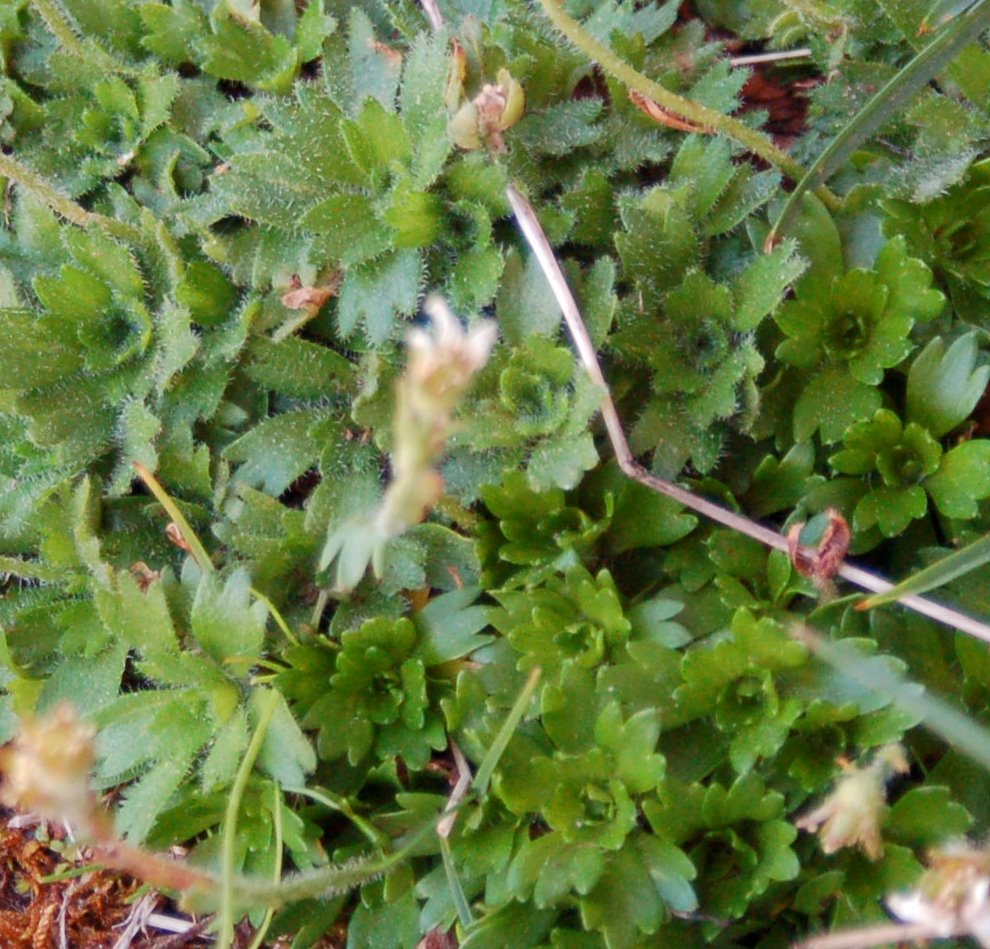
(341, 805)
(278, 834)
(536, 239)
(277, 616)
(487, 767)
(464, 915)
(225, 927)
(331, 880)
(961, 732)
(196, 549)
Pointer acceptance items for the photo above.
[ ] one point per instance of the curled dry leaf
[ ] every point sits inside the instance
(822, 564)
(299, 297)
(174, 533)
(144, 575)
(665, 117)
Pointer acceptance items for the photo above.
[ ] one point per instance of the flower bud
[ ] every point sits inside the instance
(493, 110)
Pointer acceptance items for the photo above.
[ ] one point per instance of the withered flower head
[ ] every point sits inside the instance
(443, 362)
(496, 108)
(952, 896)
(852, 814)
(46, 767)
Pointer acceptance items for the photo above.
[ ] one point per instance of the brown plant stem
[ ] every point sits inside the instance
(160, 871)
(533, 232)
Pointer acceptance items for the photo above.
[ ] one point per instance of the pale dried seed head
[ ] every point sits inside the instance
(952, 896)
(442, 363)
(46, 767)
(852, 814)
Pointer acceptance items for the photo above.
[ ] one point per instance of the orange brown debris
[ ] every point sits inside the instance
(437, 939)
(174, 534)
(91, 909)
(785, 101)
(299, 297)
(392, 55)
(30, 909)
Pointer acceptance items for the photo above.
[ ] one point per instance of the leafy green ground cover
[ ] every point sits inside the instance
(221, 221)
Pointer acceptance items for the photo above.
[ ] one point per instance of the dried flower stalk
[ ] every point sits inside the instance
(46, 770)
(537, 240)
(441, 366)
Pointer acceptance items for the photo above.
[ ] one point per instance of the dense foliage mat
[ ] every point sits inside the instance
(331, 575)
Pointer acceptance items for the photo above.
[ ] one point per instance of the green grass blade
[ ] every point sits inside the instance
(259, 937)
(941, 12)
(891, 99)
(276, 615)
(487, 767)
(957, 729)
(948, 568)
(225, 928)
(339, 803)
(196, 549)
(453, 881)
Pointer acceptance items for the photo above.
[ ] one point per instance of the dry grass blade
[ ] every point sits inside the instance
(433, 14)
(867, 937)
(754, 59)
(533, 232)
(459, 792)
